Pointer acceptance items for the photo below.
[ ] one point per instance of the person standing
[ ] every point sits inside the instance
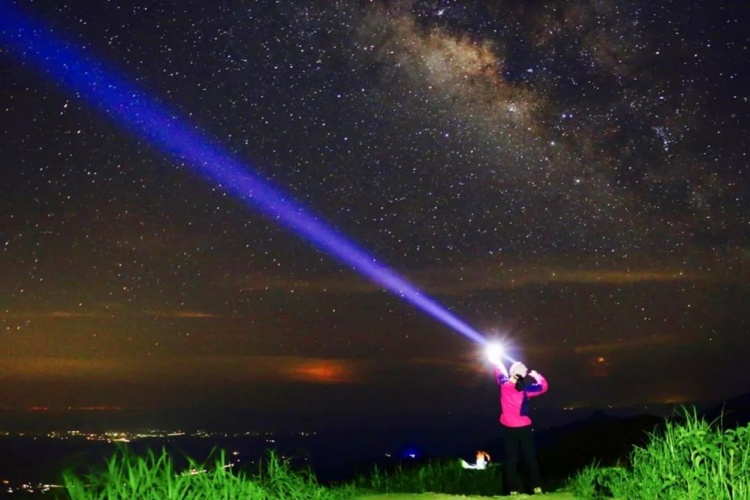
(515, 393)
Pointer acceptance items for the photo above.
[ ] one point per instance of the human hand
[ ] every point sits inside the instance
(534, 373)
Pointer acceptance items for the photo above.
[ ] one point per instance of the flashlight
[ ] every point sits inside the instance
(495, 353)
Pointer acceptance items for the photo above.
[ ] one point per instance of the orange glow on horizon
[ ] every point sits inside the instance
(76, 408)
(322, 372)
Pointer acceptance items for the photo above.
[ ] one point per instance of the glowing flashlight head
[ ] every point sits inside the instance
(495, 353)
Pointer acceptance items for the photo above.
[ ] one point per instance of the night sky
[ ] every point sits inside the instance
(572, 176)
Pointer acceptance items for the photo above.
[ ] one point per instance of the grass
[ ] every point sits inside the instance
(153, 477)
(436, 477)
(688, 459)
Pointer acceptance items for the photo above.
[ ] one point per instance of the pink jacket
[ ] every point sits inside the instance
(514, 405)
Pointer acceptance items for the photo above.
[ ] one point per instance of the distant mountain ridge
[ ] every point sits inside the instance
(734, 412)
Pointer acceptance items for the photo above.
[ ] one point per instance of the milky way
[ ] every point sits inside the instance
(570, 104)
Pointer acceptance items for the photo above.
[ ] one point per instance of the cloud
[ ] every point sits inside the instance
(659, 341)
(495, 274)
(499, 272)
(498, 277)
(110, 311)
(181, 314)
(171, 370)
(56, 314)
(324, 371)
(208, 370)
(331, 283)
(73, 314)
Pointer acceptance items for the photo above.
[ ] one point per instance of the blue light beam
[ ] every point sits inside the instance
(133, 109)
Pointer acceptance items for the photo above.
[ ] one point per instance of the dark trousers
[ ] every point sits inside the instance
(520, 439)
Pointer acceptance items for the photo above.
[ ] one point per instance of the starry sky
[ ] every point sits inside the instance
(570, 176)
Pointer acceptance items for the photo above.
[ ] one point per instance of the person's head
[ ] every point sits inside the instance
(518, 370)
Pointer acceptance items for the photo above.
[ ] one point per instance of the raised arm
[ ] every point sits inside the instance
(501, 373)
(539, 388)
(495, 355)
